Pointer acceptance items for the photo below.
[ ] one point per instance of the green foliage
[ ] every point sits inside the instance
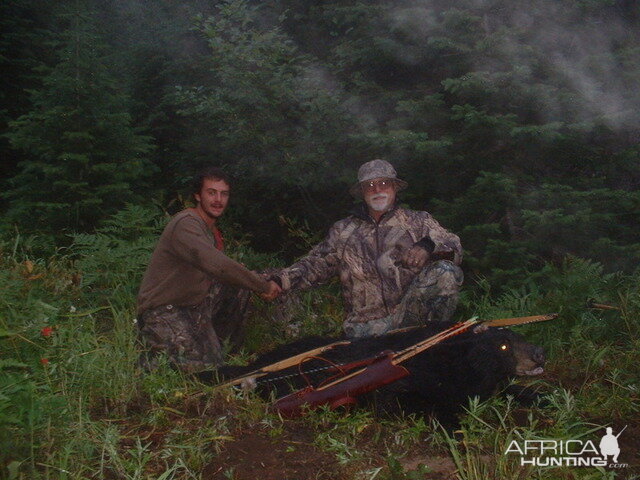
(567, 289)
(113, 259)
(29, 401)
(23, 46)
(266, 115)
(595, 224)
(535, 99)
(87, 410)
(508, 232)
(516, 124)
(83, 156)
(26, 407)
(397, 472)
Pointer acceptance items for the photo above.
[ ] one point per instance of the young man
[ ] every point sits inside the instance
(192, 294)
(382, 256)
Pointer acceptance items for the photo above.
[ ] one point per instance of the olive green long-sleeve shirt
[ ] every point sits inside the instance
(184, 264)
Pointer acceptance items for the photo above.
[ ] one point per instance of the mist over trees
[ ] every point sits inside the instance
(516, 123)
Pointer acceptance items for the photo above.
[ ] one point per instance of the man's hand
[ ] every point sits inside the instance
(415, 257)
(274, 291)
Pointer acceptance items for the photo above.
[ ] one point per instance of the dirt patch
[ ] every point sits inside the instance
(630, 446)
(293, 455)
(257, 455)
(440, 468)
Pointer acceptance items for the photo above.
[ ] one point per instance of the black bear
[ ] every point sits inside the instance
(441, 379)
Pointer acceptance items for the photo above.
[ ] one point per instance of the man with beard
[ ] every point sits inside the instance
(192, 294)
(384, 257)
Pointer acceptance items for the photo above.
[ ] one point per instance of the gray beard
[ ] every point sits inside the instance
(378, 206)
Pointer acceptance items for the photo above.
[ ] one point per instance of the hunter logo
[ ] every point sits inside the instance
(609, 445)
(569, 453)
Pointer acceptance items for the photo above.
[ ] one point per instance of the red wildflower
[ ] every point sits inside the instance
(46, 331)
(44, 361)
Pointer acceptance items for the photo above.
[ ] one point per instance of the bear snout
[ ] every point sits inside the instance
(529, 359)
(538, 356)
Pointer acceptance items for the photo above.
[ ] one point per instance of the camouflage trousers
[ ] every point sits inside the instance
(191, 336)
(431, 297)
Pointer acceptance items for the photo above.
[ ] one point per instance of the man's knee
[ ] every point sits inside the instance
(444, 274)
(433, 295)
(180, 333)
(445, 267)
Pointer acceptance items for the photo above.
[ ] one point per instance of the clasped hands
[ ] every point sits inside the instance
(414, 257)
(274, 291)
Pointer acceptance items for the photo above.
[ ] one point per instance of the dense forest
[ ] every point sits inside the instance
(515, 122)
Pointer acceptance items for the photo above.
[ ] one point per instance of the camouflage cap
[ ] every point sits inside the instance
(376, 169)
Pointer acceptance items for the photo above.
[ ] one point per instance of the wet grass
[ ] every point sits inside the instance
(73, 405)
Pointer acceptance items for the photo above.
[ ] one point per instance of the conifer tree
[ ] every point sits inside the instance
(23, 45)
(83, 158)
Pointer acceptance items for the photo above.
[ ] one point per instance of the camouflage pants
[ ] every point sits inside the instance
(431, 297)
(190, 336)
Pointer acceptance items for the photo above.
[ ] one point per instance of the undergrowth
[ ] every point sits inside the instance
(73, 405)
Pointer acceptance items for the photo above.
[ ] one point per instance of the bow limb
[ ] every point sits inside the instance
(419, 347)
(281, 365)
(506, 322)
(461, 327)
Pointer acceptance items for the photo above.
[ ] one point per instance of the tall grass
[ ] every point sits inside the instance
(73, 405)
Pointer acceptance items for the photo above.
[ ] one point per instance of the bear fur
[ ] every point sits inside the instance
(441, 379)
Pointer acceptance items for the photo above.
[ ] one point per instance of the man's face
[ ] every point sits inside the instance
(379, 194)
(213, 197)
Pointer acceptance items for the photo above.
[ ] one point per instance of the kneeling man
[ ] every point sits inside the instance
(384, 257)
(192, 294)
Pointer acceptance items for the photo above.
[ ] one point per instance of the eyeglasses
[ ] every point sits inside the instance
(381, 184)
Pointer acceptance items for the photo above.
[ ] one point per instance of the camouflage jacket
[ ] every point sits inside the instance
(366, 255)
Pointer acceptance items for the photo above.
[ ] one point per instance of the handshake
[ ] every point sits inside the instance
(415, 258)
(274, 289)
